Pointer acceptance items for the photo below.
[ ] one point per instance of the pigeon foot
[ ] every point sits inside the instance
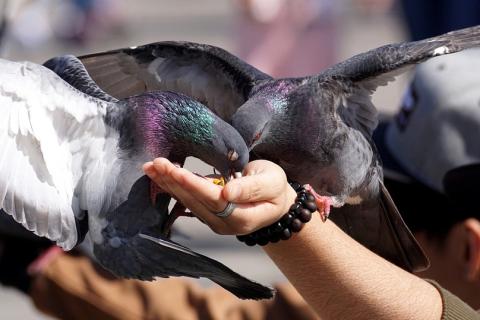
(178, 210)
(323, 203)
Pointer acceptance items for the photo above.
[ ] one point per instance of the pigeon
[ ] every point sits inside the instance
(71, 163)
(317, 128)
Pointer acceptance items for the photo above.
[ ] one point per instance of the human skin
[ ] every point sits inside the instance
(455, 260)
(337, 276)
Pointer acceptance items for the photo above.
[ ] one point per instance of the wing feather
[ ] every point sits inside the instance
(45, 123)
(209, 74)
(363, 73)
(378, 66)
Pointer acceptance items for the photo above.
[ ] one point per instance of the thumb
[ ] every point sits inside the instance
(253, 188)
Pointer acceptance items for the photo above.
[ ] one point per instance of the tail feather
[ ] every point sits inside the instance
(197, 265)
(409, 251)
(378, 225)
(146, 257)
(133, 247)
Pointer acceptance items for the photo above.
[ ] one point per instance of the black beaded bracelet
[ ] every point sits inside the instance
(292, 221)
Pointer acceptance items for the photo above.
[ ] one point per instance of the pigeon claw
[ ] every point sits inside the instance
(178, 210)
(323, 203)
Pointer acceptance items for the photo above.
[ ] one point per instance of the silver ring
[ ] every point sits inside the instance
(227, 211)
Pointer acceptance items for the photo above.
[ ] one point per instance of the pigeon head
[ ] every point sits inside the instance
(251, 120)
(228, 144)
(177, 126)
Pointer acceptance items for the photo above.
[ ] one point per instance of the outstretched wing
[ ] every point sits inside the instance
(133, 246)
(209, 74)
(378, 66)
(72, 70)
(45, 128)
(366, 71)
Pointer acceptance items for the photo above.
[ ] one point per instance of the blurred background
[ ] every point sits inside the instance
(280, 37)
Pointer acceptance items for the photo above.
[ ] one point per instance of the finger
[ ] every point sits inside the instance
(202, 211)
(203, 189)
(162, 166)
(199, 205)
(199, 210)
(163, 170)
(156, 177)
(156, 170)
(181, 182)
(194, 192)
(204, 199)
(253, 188)
(247, 218)
(150, 170)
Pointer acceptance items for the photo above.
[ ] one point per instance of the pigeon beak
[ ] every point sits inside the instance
(234, 175)
(253, 144)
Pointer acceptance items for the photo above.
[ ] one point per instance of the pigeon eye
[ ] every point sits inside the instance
(232, 155)
(257, 136)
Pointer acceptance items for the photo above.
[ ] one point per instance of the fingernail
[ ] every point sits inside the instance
(147, 166)
(157, 163)
(233, 192)
(151, 174)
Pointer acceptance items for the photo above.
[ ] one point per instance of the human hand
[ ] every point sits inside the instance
(262, 196)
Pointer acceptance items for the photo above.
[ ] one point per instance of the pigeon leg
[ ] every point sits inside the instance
(154, 190)
(178, 210)
(323, 202)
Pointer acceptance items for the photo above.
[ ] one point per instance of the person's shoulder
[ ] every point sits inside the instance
(453, 307)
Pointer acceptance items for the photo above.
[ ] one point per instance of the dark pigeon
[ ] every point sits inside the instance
(71, 160)
(318, 128)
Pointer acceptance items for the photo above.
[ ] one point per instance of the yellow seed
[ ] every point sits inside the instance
(220, 181)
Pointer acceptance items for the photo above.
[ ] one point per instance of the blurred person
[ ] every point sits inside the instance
(287, 38)
(82, 20)
(374, 6)
(18, 248)
(34, 23)
(428, 18)
(429, 152)
(29, 24)
(3, 21)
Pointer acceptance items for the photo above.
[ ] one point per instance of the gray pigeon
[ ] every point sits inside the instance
(71, 163)
(318, 128)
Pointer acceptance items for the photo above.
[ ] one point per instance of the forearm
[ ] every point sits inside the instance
(338, 277)
(341, 279)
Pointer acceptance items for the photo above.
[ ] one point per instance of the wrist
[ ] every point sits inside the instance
(300, 239)
(290, 197)
(299, 212)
